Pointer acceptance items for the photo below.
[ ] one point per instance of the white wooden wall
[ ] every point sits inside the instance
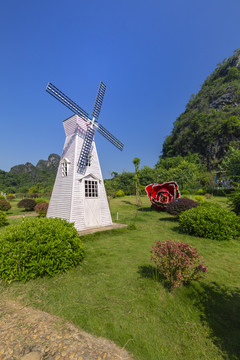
(68, 197)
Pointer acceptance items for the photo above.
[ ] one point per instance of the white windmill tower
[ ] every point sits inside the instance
(79, 195)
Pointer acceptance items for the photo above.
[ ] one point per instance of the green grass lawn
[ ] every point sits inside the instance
(115, 293)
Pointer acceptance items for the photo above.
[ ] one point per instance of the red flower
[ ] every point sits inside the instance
(161, 194)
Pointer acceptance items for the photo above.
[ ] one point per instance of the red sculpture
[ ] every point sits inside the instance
(161, 194)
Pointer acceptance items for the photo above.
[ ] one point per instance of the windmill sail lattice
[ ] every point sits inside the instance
(59, 95)
(86, 148)
(79, 194)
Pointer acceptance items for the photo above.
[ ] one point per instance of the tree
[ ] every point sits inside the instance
(136, 162)
(231, 164)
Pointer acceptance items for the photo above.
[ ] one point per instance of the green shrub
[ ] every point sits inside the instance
(185, 192)
(234, 201)
(210, 221)
(39, 247)
(41, 209)
(3, 218)
(175, 207)
(201, 192)
(120, 193)
(27, 204)
(11, 197)
(4, 205)
(40, 200)
(2, 197)
(199, 198)
(177, 262)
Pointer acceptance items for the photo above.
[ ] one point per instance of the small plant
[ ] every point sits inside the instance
(27, 204)
(2, 197)
(40, 200)
(199, 198)
(176, 207)
(210, 221)
(177, 262)
(185, 192)
(201, 192)
(3, 218)
(120, 193)
(4, 205)
(234, 201)
(11, 197)
(39, 247)
(41, 209)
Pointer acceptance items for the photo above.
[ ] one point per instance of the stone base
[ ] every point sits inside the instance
(102, 228)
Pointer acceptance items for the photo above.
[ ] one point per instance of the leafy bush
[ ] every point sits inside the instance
(201, 192)
(234, 201)
(41, 209)
(177, 206)
(11, 196)
(210, 221)
(27, 204)
(120, 193)
(4, 205)
(3, 218)
(2, 197)
(177, 262)
(199, 198)
(39, 247)
(185, 192)
(40, 200)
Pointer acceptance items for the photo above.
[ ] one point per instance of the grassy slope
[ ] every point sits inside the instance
(115, 294)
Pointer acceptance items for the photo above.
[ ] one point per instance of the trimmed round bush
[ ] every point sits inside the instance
(176, 207)
(41, 209)
(234, 201)
(27, 204)
(39, 247)
(4, 205)
(210, 221)
(40, 200)
(199, 198)
(11, 197)
(178, 262)
(120, 193)
(3, 218)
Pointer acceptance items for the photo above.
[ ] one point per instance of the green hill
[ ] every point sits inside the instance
(211, 121)
(21, 177)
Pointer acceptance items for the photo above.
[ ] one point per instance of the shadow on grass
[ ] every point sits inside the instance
(220, 308)
(150, 272)
(169, 219)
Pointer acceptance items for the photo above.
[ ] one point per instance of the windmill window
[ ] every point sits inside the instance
(65, 168)
(89, 160)
(91, 189)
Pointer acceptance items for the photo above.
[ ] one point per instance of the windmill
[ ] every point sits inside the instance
(79, 195)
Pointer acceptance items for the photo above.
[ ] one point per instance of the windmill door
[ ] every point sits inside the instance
(92, 203)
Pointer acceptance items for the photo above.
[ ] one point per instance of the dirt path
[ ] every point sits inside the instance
(29, 334)
(22, 215)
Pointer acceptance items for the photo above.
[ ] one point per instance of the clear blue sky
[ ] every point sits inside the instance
(151, 54)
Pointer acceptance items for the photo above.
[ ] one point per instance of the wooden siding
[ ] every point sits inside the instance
(68, 198)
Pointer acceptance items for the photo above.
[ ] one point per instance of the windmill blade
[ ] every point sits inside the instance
(60, 96)
(85, 151)
(110, 137)
(99, 100)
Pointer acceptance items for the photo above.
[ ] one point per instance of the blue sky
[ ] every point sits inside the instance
(151, 54)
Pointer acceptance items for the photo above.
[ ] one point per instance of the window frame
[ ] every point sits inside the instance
(65, 167)
(91, 189)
